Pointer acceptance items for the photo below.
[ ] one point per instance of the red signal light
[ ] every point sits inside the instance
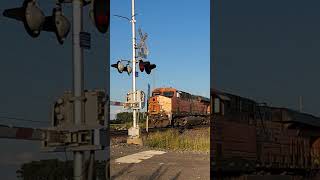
(141, 65)
(149, 67)
(101, 14)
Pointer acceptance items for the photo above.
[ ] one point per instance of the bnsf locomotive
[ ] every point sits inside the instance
(253, 138)
(171, 107)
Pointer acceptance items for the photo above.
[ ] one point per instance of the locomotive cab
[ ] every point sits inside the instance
(219, 103)
(160, 107)
(216, 105)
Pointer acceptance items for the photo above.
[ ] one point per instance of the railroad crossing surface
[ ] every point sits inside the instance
(136, 162)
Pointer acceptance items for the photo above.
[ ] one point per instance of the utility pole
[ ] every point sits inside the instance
(133, 21)
(77, 81)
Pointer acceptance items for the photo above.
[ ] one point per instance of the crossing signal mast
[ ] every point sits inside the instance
(135, 99)
(79, 116)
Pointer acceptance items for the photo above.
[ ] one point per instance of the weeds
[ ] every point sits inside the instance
(192, 140)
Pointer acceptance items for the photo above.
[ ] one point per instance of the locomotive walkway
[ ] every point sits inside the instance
(135, 162)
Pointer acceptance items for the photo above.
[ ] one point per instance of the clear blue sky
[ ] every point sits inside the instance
(178, 40)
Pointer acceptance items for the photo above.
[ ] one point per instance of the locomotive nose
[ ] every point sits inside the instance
(153, 105)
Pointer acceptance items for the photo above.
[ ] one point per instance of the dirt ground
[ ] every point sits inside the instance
(170, 165)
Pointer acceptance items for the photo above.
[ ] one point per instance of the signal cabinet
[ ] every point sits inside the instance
(94, 109)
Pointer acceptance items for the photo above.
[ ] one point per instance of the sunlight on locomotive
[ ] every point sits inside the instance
(171, 107)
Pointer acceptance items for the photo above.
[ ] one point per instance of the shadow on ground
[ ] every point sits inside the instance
(159, 173)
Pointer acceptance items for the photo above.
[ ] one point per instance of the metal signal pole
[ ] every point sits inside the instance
(133, 21)
(134, 131)
(77, 82)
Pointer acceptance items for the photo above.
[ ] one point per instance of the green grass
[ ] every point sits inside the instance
(192, 140)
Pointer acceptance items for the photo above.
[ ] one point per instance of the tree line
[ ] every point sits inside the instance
(126, 117)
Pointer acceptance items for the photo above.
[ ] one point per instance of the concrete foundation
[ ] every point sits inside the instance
(134, 136)
(135, 140)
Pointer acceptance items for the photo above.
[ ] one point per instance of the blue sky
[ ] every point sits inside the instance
(178, 40)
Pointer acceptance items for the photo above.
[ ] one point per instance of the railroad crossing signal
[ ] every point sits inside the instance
(134, 131)
(120, 67)
(100, 14)
(81, 136)
(91, 136)
(31, 16)
(58, 24)
(35, 21)
(146, 65)
(138, 104)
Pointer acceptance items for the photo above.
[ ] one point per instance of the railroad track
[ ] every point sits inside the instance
(116, 133)
(143, 131)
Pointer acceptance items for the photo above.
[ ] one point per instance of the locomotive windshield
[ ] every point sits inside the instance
(168, 94)
(155, 93)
